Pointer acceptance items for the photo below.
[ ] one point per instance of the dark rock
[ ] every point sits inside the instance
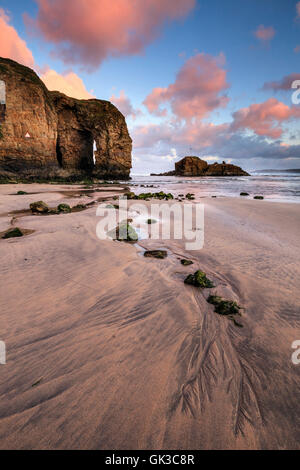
(229, 308)
(79, 207)
(186, 262)
(124, 232)
(64, 208)
(39, 206)
(225, 169)
(21, 193)
(258, 197)
(244, 194)
(151, 221)
(159, 254)
(199, 279)
(190, 166)
(194, 166)
(12, 233)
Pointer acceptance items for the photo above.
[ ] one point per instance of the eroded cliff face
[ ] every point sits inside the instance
(28, 120)
(47, 134)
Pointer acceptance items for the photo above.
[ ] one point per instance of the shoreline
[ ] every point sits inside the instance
(122, 354)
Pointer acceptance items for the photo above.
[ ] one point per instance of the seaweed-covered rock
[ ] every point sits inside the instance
(130, 195)
(228, 308)
(39, 206)
(244, 194)
(224, 307)
(147, 196)
(159, 254)
(13, 233)
(64, 208)
(21, 193)
(186, 262)
(79, 207)
(124, 232)
(199, 279)
(259, 197)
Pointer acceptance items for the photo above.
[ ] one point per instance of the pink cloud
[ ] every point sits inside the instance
(264, 33)
(11, 45)
(284, 84)
(178, 134)
(298, 9)
(69, 84)
(265, 119)
(297, 49)
(88, 31)
(196, 90)
(154, 100)
(123, 103)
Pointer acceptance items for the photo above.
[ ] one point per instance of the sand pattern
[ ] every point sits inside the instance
(108, 349)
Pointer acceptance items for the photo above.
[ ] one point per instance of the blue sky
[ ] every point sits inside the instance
(209, 28)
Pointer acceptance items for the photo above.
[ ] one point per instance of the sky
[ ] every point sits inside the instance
(211, 78)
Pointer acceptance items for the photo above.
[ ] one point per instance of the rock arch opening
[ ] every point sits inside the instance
(94, 152)
(75, 149)
(86, 150)
(2, 101)
(59, 155)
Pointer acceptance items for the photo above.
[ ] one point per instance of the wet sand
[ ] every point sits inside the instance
(109, 350)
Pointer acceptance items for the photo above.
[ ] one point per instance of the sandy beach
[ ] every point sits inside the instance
(109, 350)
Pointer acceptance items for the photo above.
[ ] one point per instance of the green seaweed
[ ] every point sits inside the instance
(199, 279)
(64, 208)
(186, 262)
(158, 254)
(79, 207)
(124, 232)
(147, 196)
(228, 308)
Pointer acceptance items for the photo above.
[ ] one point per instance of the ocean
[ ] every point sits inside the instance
(280, 187)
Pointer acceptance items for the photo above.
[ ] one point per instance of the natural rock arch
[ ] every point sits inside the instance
(92, 135)
(62, 131)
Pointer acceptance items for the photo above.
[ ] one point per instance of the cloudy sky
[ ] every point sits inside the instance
(211, 78)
